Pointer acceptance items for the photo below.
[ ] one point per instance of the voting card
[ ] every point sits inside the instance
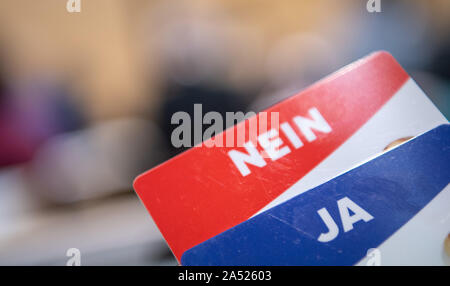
(346, 118)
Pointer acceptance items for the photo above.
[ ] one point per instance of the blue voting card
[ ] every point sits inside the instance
(337, 222)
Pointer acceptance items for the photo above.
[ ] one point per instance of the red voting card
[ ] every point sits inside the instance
(324, 130)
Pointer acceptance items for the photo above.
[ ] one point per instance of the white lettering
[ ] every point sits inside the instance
(253, 157)
(306, 125)
(271, 142)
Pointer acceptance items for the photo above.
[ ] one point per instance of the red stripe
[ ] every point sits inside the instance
(201, 193)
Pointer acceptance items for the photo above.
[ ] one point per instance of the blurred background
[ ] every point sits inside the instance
(86, 99)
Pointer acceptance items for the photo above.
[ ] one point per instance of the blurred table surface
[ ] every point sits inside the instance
(115, 230)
